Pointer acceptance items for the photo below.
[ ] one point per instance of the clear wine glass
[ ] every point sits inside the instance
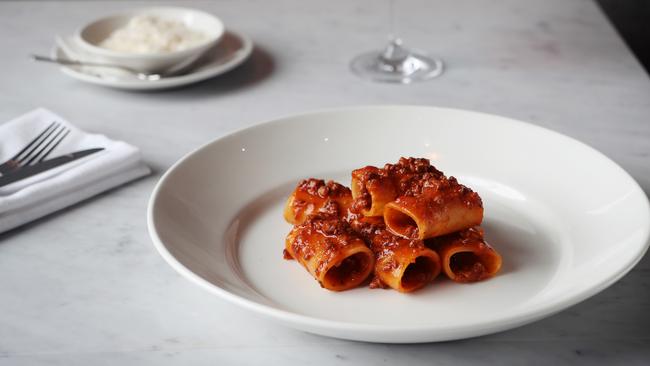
(396, 63)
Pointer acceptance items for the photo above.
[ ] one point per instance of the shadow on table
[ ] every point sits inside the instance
(257, 68)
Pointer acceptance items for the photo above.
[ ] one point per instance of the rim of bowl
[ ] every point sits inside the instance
(140, 11)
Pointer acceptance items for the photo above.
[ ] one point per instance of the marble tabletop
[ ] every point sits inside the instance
(85, 286)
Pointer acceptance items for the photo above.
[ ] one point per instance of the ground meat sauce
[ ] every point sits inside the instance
(410, 172)
(470, 235)
(337, 234)
(408, 176)
(377, 283)
(336, 222)
(352, 267)
(363, 201)
(367, 177)
(299, 207)
(367, 227)
(445, 190)
(468, 272)
(466, 265)
(411, 232)
(318, 187)
(383, 243)
(315, 196)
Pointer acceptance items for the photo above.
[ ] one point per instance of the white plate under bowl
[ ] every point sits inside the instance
(567, 220)
(233, 49)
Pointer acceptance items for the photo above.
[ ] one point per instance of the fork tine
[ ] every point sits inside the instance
(35, 140)
(53, 142)
(49, 151)
(34, 149)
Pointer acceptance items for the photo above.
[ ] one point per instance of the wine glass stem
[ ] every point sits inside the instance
(395, 63)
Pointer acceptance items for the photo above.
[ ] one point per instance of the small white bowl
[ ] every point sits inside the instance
(90, 36)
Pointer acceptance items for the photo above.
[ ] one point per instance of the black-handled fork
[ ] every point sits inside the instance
(37, 149)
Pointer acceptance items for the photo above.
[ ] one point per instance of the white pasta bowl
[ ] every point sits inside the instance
(567, 220)
(91, 35)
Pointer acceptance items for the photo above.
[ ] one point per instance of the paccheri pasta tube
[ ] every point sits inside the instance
(314, 195)
(402, 264)
(331, 252)
(403, 223)
(373, 188)
(465, 255)
(432, 208)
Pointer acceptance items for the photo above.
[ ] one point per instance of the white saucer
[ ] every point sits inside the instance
(233, 49)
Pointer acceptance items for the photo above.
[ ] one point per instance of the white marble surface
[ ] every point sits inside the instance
(85, 286)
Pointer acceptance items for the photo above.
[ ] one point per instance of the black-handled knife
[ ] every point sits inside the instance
(45, 165)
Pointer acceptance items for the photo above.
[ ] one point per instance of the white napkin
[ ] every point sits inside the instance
(47, 192)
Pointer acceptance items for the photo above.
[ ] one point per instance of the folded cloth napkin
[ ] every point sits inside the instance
(52, 190)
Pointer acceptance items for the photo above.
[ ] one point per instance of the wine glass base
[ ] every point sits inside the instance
(415, 67)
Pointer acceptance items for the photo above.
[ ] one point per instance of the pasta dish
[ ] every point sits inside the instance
(397, 227)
